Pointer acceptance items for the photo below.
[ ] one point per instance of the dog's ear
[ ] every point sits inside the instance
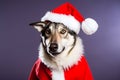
(38, 25)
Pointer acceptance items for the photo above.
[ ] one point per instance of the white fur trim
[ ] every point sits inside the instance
(58, 75)
(67, 20)
(89, 26)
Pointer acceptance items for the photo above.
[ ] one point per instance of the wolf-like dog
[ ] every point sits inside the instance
(60, 54)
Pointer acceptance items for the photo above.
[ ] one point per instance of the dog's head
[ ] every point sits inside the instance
(56, 37)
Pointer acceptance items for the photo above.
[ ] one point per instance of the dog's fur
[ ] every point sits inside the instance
(70, 48)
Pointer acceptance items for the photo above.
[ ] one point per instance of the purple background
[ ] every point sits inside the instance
(19, 42)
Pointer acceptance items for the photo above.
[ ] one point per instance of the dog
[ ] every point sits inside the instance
(61, 54)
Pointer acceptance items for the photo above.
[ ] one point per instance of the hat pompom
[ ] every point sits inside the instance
(89, 26)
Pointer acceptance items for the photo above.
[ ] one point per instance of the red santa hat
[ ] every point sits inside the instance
(69, 16)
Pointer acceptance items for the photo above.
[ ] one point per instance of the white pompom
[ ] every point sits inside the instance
(89, 26)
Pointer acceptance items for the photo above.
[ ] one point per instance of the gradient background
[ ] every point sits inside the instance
(19, 42)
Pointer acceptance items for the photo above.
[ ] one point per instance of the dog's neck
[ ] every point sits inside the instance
(63, 60)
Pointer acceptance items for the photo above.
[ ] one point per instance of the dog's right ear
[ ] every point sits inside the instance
(38, 25)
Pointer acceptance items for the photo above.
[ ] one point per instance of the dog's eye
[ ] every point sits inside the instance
(47, 31)
(63, 31)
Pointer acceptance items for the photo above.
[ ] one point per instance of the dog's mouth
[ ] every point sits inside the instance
(54, 52)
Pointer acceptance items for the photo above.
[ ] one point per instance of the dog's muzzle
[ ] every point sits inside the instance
(53, 49)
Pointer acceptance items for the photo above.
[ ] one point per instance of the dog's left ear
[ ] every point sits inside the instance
(40, 25)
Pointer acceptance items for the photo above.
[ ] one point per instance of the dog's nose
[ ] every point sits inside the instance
(53, 47)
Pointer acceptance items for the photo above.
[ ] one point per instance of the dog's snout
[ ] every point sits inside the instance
(53, 47)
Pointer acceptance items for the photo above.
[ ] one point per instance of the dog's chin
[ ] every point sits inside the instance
(55, 53)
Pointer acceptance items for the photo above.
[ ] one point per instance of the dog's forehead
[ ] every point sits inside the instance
(54, 25)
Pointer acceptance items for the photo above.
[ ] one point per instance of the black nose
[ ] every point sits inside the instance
(53, 47)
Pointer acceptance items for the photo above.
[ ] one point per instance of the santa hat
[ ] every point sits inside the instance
(69, 16)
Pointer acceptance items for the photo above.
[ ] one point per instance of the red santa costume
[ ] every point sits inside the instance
(75, 67)
(80, 71)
